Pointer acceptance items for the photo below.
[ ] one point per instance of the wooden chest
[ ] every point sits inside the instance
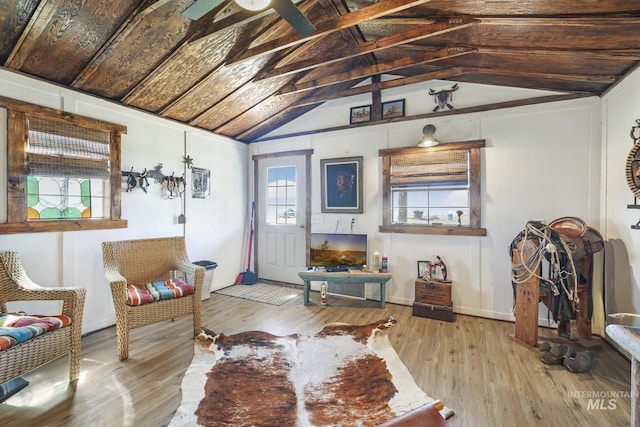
(433, 292)
(431, 311)
(433, 300)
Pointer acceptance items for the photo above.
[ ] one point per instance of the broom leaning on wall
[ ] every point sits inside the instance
(248, 277)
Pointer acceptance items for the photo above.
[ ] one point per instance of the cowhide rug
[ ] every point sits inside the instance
(344, 375)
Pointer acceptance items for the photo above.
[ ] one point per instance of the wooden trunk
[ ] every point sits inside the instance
(433, 292)
(433, 300)
(440, 312)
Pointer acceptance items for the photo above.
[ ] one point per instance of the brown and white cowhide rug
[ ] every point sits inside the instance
(344, 375)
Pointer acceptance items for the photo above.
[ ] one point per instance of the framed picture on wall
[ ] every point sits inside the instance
(360, 114)
(341, 185)
(393, 109)
(200, 182)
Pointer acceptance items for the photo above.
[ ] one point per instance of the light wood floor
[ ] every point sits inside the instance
(471, 365)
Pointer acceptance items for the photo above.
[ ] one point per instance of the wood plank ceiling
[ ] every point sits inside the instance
(243, 74)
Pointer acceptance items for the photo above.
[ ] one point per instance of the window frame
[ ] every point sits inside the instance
(17, 138)
(474, 228)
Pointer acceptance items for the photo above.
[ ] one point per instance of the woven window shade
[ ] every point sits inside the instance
(67, 151)
(430, 169)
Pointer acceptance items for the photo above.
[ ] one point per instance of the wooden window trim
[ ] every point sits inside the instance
(17, 137)
(474, 228)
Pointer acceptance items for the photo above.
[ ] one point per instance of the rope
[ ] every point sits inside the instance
(531, 264)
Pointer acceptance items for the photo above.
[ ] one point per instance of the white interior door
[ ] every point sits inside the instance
(281, 207)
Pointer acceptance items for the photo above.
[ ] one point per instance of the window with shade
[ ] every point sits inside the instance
(433, 190)
(69, 171)
(63, 171)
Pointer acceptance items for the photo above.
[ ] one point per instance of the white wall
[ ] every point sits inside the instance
(540, 162)
(214, 227)
(620, 110)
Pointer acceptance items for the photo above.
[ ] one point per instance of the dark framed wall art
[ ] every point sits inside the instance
(360, 114)
(341, 185)
(200, 183)
(393, 109)
(424, 269)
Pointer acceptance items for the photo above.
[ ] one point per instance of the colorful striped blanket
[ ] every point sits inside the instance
(157, 291)
(16, 329)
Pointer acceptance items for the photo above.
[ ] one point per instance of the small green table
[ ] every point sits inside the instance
(354, 276)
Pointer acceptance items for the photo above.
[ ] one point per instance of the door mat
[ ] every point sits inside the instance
(261, 292)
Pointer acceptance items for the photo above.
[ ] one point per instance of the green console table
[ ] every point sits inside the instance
(354, 276)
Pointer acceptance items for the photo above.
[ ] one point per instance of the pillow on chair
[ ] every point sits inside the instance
(157, 291)
(16, 329)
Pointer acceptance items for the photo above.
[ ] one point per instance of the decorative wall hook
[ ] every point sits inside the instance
(188, 161)
(141, 179)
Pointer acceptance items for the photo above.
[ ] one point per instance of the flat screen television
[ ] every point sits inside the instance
(338, 250)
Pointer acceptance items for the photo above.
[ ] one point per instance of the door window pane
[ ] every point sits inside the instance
(281, 192)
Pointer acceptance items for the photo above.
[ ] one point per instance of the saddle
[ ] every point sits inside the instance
(573, 243)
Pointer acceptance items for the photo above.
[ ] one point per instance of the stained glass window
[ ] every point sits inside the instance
(64, 198)
(69, 171)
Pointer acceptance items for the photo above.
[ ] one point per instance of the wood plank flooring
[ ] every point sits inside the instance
(471, 365)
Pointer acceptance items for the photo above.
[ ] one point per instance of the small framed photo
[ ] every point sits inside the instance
(200, 183)
(393, 109)
(424, 269)
(341, 185)
(360, 114)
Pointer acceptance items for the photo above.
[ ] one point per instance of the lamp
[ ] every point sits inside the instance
(428, 140)
(253, 4)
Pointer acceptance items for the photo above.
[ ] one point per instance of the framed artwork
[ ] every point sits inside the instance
(341, 185)
(393, 109)
(424, 269)
(360, 114)
(200, 182)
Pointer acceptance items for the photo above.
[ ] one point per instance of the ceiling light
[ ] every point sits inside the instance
(428, 140)
(253, 4)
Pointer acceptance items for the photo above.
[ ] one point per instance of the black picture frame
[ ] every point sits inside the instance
(393, 109)
(423, 269)
(200, 183)
(360, 114)
(341, 185)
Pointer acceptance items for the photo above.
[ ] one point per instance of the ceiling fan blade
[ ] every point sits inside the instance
(200, 8)
(293, 16)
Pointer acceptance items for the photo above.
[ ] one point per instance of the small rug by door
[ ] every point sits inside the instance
(344, 375)
(261, 292)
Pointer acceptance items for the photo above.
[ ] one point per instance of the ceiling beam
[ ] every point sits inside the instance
(117, 37)
(333, 25)
(446, 74)
(434, 75)
(359, 73)
(403, 37)
(31, 34)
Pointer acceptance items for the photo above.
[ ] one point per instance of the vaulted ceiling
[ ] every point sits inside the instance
(244, 74)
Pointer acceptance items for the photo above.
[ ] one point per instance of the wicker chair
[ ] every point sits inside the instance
(19, 359)
(142, 261)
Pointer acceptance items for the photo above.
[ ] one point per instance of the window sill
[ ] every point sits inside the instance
(433, 229)
(62, 225)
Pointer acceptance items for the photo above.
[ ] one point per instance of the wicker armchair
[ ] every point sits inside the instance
(19, 359)
(147, 260)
